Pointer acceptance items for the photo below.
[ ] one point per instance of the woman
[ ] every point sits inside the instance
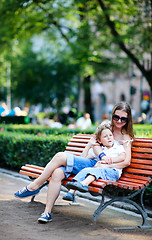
(63, 164)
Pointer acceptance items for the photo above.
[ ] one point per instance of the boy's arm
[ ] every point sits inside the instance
(97, 149)
(92, 142)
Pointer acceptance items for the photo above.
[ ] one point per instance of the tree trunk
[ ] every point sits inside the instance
(87, 95)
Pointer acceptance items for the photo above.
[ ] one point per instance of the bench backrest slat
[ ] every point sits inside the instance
(142, 150)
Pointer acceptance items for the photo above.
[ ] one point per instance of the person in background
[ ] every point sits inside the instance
(84, 122)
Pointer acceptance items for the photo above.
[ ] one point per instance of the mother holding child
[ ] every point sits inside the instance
(105, 155)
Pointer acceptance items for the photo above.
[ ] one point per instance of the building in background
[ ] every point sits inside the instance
(132, 88)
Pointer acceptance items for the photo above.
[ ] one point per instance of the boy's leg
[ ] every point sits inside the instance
(89, 179)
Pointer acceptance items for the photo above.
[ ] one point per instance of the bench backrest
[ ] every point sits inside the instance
(141, 161)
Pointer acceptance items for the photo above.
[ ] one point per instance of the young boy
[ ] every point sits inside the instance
(107, 153)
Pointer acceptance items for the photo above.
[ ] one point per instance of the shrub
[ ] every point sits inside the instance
(19, 149)
(34, 129)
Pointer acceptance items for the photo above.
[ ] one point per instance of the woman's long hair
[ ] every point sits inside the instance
(128, 127)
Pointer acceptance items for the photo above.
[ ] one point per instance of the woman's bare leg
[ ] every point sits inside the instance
(54, 188)
(58, 160)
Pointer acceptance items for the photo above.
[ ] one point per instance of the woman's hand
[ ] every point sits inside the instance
(101, 164)
(106, 159)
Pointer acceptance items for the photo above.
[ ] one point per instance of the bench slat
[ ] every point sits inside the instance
(135, 186)
(74, 149)
(140, 155)
(79, 136)
(141, 161)
(122, 185)
(140, 171)
(143, 140)
(142, 144)
(134, 180)
(141, 166)
(30, 174)
(77, 144)
(148, 179)
(33, 170)
(79, 140)
(74, 153)
(34, 166)
(141, 150)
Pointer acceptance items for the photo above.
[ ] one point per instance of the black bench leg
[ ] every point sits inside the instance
(103, 205)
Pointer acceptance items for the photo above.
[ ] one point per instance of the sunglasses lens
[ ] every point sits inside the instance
(124, 119)
(116, 117)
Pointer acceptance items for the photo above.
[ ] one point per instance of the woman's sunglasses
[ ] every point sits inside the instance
(122, 119)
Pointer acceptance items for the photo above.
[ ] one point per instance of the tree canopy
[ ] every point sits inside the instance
(98, 33)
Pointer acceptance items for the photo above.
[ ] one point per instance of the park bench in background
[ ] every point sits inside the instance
(133, 181)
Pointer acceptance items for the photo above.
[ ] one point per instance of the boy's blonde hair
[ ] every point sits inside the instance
(100, 129)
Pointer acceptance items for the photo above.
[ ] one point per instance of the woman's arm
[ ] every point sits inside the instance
(119, 162)
(127, 159)
(118, 159)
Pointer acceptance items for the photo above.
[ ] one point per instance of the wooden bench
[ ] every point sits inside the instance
(133, 181)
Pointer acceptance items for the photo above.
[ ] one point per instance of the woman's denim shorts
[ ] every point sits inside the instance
(76, 163)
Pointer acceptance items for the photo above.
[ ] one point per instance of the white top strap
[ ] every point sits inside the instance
(126, 141)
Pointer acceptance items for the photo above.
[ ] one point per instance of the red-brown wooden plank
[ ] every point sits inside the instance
(77, 144)
(139, 171)
(121, 185)
(142, 144)
(136, 177)
(38, 171)
(82, 137)
(74, 153)
(134, 180)
(95, 189)
(34, 175)
(141, 150)
(138, 185)
(141, 166)
(143, 140)
(74, 149)
(141, 161)
(34, 166)
(79, 140)
(140, 155)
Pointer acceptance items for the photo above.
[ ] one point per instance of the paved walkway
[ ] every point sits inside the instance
(18, 217)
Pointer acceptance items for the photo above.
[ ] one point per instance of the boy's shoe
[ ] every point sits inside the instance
(45, 217)
(69, 197)
(24, 192)
(77, 186)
